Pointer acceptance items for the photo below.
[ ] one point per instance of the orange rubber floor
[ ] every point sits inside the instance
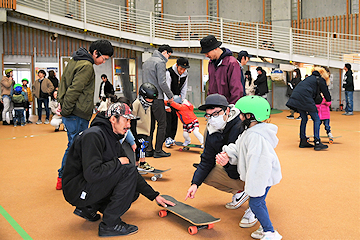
(318, 197)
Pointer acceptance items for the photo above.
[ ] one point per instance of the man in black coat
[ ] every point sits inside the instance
(261, 83)
(106, 88)
(302, 101)
(98, 176)
(349, 89)
(224, 127)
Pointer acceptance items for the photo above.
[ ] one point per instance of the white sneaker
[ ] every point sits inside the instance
(330, 135)
(39, 122)
(172, 142)
(186, 143)
(248, 220)
(237, 200)
(258, 234)
(272, 236)
(168, 142)
(46, 121)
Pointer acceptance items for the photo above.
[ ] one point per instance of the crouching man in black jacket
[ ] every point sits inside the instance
(223, 127)
(98, 176)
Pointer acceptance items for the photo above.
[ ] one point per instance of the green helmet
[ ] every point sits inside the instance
(7, 71)
(17, 85)
(25, 79)
(256, 105)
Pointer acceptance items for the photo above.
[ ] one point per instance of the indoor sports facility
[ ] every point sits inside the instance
(317, 197)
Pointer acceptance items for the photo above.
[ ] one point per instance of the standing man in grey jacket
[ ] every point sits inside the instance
(154, 71)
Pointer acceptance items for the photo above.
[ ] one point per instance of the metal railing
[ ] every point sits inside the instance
(291, 41)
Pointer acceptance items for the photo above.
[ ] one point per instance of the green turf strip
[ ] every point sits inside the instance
(14, 224)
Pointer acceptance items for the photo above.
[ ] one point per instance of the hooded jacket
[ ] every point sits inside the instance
(77, 86)
(185, 111)
(154, 71)
(324, 109)
(213, 145)
(261, 84)
(348, 81)
(6, 85)
(93, 159)
(225, 77)
(176, 83)
(303, 95)
(256, 160)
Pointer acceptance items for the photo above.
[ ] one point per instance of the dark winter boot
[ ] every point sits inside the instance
(319, 146)
(305, 144)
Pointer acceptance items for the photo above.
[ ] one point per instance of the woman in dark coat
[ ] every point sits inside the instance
(261, 83)
(290, 88)
(53, 79)
(302, 100)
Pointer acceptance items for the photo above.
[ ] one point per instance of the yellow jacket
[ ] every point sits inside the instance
(28, 91)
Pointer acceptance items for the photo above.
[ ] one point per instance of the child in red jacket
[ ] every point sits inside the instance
(324, 115)
(185, 112)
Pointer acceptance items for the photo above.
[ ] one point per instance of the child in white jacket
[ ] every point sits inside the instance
(256, 160)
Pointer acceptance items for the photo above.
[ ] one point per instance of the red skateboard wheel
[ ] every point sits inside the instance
(162, 213)
(192, 230)
(210, 226)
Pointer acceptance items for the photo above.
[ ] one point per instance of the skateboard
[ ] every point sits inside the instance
(157, 173)
(187, 148)
(193, 215)
(331, 140)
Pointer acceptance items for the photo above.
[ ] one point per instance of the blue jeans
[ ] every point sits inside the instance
(304, 119)
(326, 122)
(349, 101)
(74, 126)
(258, 207)
(46, 104)
(19, 117)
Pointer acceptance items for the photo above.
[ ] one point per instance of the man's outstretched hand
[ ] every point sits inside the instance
(163, 202)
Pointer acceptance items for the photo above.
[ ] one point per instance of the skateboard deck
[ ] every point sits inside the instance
(187, 148)
(331, 140)
(198, 218)
(157, 173)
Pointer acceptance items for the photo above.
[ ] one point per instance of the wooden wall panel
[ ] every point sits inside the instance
(21, 40)
(11, 4)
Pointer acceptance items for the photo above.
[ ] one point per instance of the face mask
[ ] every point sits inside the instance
(217, 123)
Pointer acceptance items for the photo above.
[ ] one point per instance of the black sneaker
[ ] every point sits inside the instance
(161, 154)
(305, 144)
(319, 146)
(87, 213)
(29, 122)
(290, 117)
(5, 123)
(121, 229)
(149, 153)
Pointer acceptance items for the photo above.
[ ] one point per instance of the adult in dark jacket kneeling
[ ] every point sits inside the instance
(98, 176)
(223, 127)
(302, 101)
